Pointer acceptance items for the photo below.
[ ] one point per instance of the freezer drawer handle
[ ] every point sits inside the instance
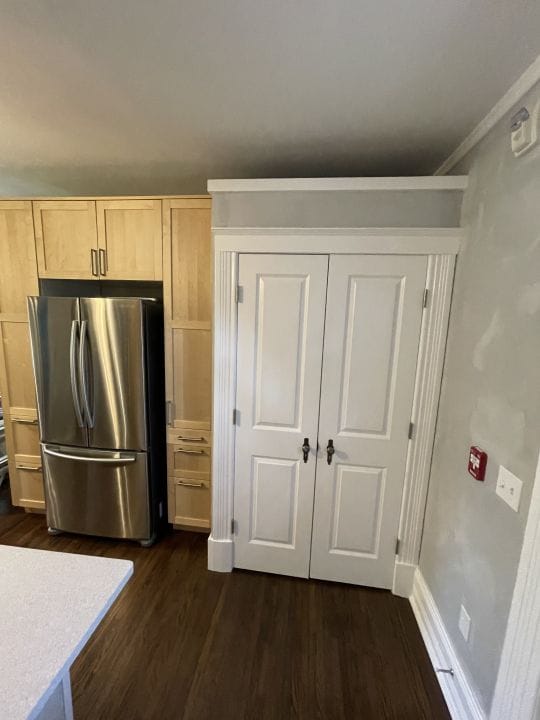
(83, 373)
(124, 460)
(73, 372)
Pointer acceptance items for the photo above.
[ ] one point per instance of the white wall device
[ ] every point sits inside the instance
(524, 130)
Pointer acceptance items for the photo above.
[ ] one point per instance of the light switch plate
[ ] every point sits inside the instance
(464, 623)
(509, 488)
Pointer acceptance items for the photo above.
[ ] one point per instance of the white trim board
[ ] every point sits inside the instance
(458, 693)
(522, 86)
(518, 679)
(421, 241)
(421, 182)
(441, 247)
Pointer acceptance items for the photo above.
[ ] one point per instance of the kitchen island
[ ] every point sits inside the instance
(50, 604)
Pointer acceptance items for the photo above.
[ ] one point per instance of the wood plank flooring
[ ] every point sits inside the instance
(182, 643)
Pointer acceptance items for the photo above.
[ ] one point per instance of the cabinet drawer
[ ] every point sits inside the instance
(191, 502)
(30, 481)
(189, 458)
(25, 434)
(179, 435)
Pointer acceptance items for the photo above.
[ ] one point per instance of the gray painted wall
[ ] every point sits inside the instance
(410, 208)
(490, 397)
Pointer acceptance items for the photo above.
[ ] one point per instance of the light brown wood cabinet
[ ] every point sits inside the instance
(18, 280)
(117, 239)
(114, 239)
(188, 357)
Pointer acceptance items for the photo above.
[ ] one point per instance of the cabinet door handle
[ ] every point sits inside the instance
(102, 262)
(188, 439)
(190, 452)
(169, 407)
(34, 468)
(189, 484)
(24, 421)
(94, 262)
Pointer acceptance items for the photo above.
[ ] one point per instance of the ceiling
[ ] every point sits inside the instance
(156, 96)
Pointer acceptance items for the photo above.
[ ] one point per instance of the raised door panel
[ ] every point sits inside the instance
(130, 246)
(280, 335)
(372, 334)
(18, 274)
(66, 238)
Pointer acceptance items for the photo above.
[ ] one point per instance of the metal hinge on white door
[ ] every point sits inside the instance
(235, 417)
(425, 298)
(398, 543)
(233, 527)
(239, 294)
(411, 430)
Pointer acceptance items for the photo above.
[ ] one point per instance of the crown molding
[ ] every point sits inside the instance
(522, 86)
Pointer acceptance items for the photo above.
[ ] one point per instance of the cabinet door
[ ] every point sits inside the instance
(130, 246)
(18, 274)
(20, 415)
(373, 319)
(188, 311)
(280, 336)
(66, 238)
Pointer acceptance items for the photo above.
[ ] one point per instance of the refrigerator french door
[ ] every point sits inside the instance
(98, 369)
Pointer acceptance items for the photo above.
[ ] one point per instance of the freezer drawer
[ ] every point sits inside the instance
(97, 492)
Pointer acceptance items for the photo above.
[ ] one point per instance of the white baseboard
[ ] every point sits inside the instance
(220, 555)
(403, 579)
(458, 693)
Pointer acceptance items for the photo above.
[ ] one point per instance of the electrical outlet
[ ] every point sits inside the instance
(509, 488)
(464, 623)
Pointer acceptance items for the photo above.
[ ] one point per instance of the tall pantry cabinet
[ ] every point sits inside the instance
(18, 279)
(120, 239)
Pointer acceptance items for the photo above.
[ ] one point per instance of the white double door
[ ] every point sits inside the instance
(327, 351)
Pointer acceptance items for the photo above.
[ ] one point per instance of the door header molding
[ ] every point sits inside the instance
(365, 241)
(340, 184)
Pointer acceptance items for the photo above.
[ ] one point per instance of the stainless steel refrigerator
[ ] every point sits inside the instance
(98, 364)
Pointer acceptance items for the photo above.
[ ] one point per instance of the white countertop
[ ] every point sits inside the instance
(50, 604)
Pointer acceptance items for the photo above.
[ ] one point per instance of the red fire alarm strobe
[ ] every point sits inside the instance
(477, 463)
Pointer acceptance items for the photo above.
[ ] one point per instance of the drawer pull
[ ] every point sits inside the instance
(189, 484)
(24, 421)
(35, 468)
(189, 439)
(190, 452)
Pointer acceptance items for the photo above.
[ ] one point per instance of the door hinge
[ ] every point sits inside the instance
(411, 430)
(239, 294)
(235, 416)
(398, 544)
(425, 298)
(233, 527)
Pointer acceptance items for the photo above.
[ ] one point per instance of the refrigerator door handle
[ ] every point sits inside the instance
(83, 373)
(124, 459)
(73, 372)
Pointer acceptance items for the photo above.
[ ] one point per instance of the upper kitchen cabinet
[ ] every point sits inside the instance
(17, 257)
(188, 310)
(108, 239)
(66, 239)
(129, 239)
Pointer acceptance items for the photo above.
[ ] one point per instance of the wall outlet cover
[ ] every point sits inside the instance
(464, 623)
(509, 488)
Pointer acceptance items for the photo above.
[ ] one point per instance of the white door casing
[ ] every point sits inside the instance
(372, 331)
(280, 335)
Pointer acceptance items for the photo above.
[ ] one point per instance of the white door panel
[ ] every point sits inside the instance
(280, 336)
(372, 331)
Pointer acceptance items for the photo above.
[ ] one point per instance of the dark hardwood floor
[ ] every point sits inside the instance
(182, 643)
